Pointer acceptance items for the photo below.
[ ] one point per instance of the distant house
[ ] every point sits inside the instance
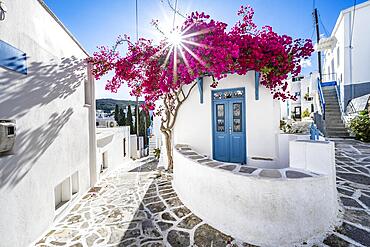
(105, 120)
(347, 63)
(305, 89)
(46, 88)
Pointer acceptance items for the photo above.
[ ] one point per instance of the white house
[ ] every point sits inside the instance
(235, 122)
(46, 88)
(305, 89)
(105, 120)
(347, 63)
(232, 165)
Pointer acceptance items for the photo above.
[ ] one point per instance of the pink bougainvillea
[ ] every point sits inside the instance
(206, 48)
(200, 47)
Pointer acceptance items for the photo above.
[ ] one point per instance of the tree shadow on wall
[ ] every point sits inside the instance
(44, 82)
(31, 144)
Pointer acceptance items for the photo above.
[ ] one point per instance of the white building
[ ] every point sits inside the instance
(46, 88)
(105, 120)
(113, 148)
(305, 89)
(242, 128)
(348, 62)
(231, 164)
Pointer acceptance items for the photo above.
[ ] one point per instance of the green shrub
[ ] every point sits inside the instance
(305, 113)
(360, 126)
(157, 153)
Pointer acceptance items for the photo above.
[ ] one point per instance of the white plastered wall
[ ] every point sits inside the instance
(194, 127)
(52, 120)
(111, 142)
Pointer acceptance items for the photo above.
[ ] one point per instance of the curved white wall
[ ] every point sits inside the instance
(257, 210)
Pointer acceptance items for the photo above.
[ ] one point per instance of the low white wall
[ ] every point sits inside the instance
(261, 211)
(284, 140)
(111, 142)
(315, 156)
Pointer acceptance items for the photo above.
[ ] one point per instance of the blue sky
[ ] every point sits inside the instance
(96, 23)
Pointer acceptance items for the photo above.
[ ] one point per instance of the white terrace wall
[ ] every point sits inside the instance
(53, 121)
(194, 122)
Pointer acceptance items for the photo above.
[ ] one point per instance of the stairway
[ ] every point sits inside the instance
(334, 123)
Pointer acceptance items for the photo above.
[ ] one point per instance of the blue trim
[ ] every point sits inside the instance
(200, 88)
(328, 83)
(257, 85)
(322, 100)
(12, 58)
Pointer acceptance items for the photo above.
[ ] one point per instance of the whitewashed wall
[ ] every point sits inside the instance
(53, 121)
(110, 141)
(351, 66)
(194, 123)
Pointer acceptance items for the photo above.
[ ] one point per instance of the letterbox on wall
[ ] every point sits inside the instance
(7, 135)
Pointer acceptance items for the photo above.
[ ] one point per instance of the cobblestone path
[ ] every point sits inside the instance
(353, 185)
(140, 208)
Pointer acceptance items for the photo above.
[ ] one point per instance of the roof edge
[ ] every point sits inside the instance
(51, 13)
(345, 11)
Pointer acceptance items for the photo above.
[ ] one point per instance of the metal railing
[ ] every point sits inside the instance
(329, 77)
(321, 96)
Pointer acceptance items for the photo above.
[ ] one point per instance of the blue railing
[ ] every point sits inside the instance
(321, 95)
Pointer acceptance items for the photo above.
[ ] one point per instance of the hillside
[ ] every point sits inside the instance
(110, 104)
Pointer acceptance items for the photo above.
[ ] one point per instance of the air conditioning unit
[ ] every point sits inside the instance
(7, 135)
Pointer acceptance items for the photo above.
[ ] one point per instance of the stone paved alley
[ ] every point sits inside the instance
(135, 207)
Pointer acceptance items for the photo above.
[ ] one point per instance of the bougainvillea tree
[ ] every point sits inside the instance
(165, 73)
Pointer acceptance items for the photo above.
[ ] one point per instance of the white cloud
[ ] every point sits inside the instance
(306, 63)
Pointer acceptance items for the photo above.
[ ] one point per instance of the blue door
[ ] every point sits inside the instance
(229, 144)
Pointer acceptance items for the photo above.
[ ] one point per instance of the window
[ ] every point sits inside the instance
(237, 117)
(62, 193)
(338, 56)
(229, 94)
(332, 70)
(297, 78)
(11, 130)
(220, 117)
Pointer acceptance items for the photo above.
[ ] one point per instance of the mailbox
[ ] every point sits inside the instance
(7, 135)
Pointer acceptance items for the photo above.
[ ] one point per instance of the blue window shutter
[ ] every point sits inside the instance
(257, 85)
(11, 58)
(200, 88)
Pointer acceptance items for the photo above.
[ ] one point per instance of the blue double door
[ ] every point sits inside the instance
(229, 134)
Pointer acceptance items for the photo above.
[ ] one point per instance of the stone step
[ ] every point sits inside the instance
(335, 125)
(330, 99)
(335, 128)
(339, 135)
(332, 108)
(336, 131)
(332, 117)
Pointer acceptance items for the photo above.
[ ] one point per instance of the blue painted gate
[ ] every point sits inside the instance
(228, 117)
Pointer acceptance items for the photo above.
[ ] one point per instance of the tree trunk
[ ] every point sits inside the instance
(168, 140)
